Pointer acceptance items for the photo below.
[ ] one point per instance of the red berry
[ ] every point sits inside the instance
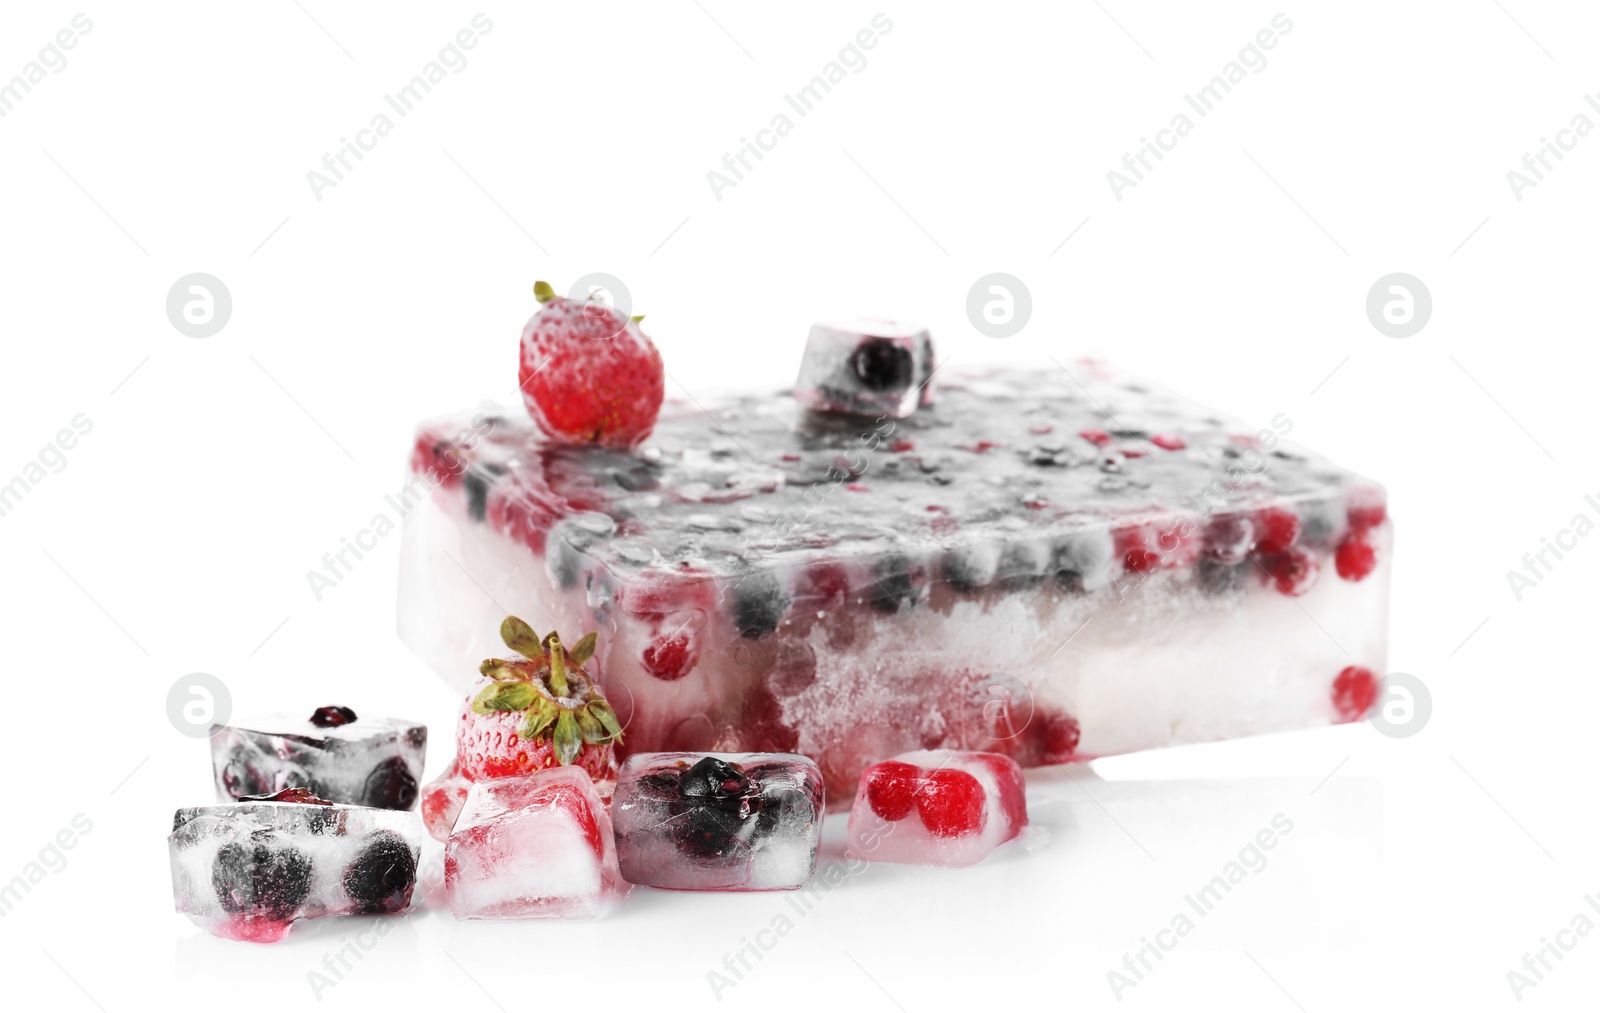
(1099, 437)
(1355, 557)
(1277, 528)
(950, 803)
(1354, 692)
(901, 446)
(1058, 737)
(890, 787)
(1168, 441)
(1293, 571)
(670, 658)
(590, 375)
(1367, 508)
(1167, 545)
(1228, 538)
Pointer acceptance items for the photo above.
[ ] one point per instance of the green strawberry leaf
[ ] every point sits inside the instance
(568, 738)
(607, 718)
(583, 650)
(519, 636)
(637, 318)
(543, 291)
(540, 717)
(591, 728)
(501, 671)
(504, 697)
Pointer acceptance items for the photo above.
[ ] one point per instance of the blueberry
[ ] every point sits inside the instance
(261, 880)
(964, 571)
(476, 482)
(713, 779)
(758, 604)
(893, 587)
(1220, 578)
(390, 786)
(707, 832)
(881, 364)
(380, 880)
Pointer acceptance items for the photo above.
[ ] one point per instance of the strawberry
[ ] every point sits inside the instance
(542, 710)
(589, 374)
(950, 803)
(1355, 690)
(1355, 557)
(891, 788)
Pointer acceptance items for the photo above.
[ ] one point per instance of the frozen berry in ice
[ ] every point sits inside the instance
(1160, 545)
(1228, 538)
(1355, 557)
(1355, 690)
(1058, 736)
(261, 880)
(881, 364)
(1291, 572)
(669, 657)
(296, 796)
(891, 789)
(1168, 441)
(713, 808)
(759, 603)
(332, 717)
(380, 879)
(1367, 508)
(390, 786)
(711, 778)
(1277, 528)
(950, 803)
(588, 373)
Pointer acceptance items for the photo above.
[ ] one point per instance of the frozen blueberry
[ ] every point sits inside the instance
(881, 364)
(332, 717)
(712, 778)
(476, 483)
(390, 786)
(758, 604)
(261, 880)
(1220, 578)
(381, 878)
(893, 586)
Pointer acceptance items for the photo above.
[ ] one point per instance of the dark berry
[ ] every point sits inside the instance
(1058, 738)
(1355, 690)
(963, 571)
(950, 803)
(891, 788)
(380, 880)
(758, 604)
(708, 832)
(1355, 557)
(1219, 578)
(1228, 538)
(881, 364)
(390, 786)
(1292, 572)
(893, 586)
(712, 778)
(259, 880)
(476, 485)
(332, 717)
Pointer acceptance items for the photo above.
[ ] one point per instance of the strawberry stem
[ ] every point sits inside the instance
(558, 666)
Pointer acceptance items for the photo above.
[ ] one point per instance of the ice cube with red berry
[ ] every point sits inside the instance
(937, 807)
(718, 821)
(533, 846)
(335, 753)
(250, 869)
(876, 368)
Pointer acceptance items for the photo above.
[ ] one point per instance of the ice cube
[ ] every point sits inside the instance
(937, 807)
(533, 847)
(866, 367)
(1050, 566)
(718, 821)
(336, 754)
(249, 869)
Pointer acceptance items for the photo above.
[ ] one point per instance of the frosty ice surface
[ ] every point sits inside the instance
(866, 367)
(248, 870)
(338, 755)
(937, 807)
(533, 847)
(723, 821)
(1053, 565)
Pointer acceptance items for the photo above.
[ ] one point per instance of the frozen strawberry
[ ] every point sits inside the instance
(950, 803)
(1355, 690)
(588, 374)
(891, 788)
(1355, 558)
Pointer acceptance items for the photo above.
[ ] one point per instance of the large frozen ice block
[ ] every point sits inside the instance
(248, 870)
(1045, 564)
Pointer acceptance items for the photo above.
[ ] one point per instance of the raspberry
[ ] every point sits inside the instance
(669, 658)
(891, 787)
(1169, 441)
(1293, 571)
(950, 803)
(1367, 508)
(1099, 437)
(589, 374)
(1355, 690)
(1166, 545)
(1355, 558)
(1277, 528)
(1058, 738)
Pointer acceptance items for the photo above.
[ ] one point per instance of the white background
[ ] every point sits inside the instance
(577, 138)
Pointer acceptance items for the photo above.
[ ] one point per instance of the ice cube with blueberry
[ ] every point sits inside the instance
(937, 807)
(876, 368)
(1053, 563)
(248, 870)
(535, 846)
(334, 753)
(719, 821)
